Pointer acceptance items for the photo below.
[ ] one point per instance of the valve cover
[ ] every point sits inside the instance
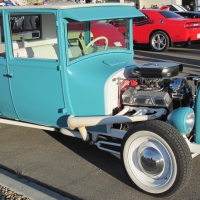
(146, 98)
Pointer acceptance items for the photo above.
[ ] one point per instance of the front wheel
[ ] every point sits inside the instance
(156, 157)
(159, 41)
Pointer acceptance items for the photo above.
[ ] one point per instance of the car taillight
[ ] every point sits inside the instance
(192, 25)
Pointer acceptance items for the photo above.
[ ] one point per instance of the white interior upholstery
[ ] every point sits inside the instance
(47, 51)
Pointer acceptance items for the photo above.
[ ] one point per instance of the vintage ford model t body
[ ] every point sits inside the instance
(70, 70)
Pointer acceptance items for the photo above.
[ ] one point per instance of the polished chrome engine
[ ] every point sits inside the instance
(167, 93)
(179, 87)
(146, 98)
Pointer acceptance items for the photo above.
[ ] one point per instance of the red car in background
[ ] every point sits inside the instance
(161, 29)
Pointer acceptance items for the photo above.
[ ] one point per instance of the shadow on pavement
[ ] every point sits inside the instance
(109, 163)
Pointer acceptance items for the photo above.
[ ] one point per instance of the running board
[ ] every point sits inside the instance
(99, 143)
(24, 124)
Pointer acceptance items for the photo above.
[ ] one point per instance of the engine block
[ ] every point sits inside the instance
(146, 98)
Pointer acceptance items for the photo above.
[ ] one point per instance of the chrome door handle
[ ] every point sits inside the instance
(8, 75)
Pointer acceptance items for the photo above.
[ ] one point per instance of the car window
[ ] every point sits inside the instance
(26, 26)
(34, 36)
(168, 14)
(86, 38)
(2, 44)
(172, 8)
(139, 19)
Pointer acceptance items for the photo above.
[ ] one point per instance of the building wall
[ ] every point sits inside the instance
(148, 3)
(197, 4)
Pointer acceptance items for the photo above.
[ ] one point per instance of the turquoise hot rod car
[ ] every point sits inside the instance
(74, 72)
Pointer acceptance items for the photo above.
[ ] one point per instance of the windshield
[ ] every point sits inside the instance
(96, 36)
(170, 14)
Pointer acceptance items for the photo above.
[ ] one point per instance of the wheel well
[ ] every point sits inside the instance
(170, 41)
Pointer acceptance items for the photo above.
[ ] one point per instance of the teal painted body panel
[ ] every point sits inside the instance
(97, 13)
(6, 104)
(37, 91)
(87, 79)
(177, 118)
(197, 118)
(91, 75)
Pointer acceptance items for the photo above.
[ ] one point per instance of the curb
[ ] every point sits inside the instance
(27, 188)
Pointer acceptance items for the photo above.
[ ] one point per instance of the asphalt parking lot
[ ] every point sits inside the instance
(77, 170)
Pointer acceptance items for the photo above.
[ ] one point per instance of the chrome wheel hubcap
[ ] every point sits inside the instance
(151, 161)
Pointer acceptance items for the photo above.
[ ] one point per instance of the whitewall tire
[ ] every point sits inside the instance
(156, 157)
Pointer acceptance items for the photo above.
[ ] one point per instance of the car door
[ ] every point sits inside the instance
(6, 105)
(36, 83)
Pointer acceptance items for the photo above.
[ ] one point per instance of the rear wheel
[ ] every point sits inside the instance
(159, 41)
(156, 157)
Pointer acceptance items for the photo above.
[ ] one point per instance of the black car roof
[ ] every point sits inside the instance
(189, 12)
